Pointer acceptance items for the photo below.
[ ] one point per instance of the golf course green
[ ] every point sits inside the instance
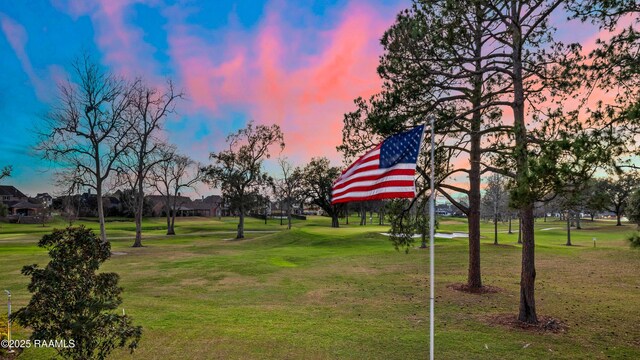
(316, 292)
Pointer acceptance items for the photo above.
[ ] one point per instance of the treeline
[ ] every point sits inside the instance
(106, 131)
(119, 204)
(616, 196)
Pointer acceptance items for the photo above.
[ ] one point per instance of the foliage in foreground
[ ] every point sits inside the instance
(406, 219)
(71, 302)
(634, 240)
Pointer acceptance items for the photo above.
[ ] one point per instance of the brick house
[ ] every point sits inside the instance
(207, 207)
(17, 203)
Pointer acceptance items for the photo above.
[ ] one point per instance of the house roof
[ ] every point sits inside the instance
(27, 205)
(212, 199)
(8, 190)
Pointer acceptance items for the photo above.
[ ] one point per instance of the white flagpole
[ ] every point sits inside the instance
(432, 223)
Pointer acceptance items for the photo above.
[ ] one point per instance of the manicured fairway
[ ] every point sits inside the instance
(320, 293)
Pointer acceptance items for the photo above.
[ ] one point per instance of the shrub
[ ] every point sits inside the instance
(71, 302)
(634, 239)
(3, 335)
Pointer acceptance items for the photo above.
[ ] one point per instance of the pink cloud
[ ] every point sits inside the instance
(297, 77)
(607, 96)
(268, 74)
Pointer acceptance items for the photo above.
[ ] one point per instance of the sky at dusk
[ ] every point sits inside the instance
(299, 64)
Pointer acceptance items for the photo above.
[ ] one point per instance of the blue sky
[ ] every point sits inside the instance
(297, 64)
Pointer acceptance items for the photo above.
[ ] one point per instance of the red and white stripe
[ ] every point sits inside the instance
(365, 180)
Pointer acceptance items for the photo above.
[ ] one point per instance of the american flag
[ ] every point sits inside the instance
(384, 172)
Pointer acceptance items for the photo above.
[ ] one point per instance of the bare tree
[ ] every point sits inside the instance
(149, 109)
(289, 188)
(85, 131)
(495, 201)
(171, 175)
(69, 191)
(5, 172)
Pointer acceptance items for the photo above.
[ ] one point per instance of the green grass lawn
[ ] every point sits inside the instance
(320, 293)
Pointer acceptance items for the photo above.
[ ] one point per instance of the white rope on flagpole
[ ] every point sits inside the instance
(432, 223)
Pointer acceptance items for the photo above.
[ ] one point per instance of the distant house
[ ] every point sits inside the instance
(207, 207)
(158, 204)
(212, 205)
(25, 208)
(9, 193)
(313, 209)
(45, 199)
(18, 203)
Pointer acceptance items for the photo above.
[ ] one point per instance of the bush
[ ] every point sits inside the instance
(405, 222)
(3, 334)
(71, 302)
(632, 208)
(634, 239)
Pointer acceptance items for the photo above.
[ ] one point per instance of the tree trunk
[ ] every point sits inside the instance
(495, 229)
(170, 230)
(510, 232)
(618, 216)
(519, 230)
(103, 232)
(474, 279)
(568, 230)
(363, 216)
(138, 240)
(334, 220)
(578, 225)
(173, 221)
(592, 217)
(527, 312)
(139, 209)
(288, 217)
(240, 234)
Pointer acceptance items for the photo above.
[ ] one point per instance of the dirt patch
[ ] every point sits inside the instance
(194, 282)
(237, 280)
(316, 296)
(546, 324)
(486, 289)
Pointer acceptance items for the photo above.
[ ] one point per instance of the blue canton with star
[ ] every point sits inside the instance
(401, 148)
